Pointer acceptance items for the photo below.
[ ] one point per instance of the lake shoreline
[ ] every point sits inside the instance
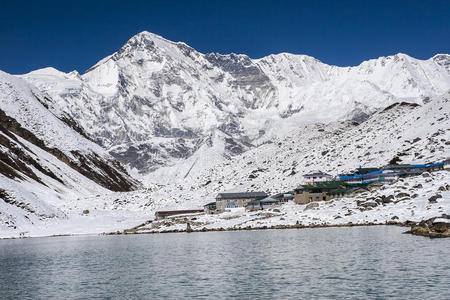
(295, 226)
(278, 227)
(138, 230)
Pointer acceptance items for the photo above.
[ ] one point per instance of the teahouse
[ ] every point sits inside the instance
(168, 213)
(324, 191)
(264, 203)
(232, 200)
(316, 176)
(405, 170)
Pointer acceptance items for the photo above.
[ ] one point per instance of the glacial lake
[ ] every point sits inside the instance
(357, 262)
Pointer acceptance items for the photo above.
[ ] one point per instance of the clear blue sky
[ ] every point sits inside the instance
(76, 34)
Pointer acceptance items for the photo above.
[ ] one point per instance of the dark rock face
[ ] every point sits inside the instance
(443, 60)
(247, 74)
(235, 147)
(112, 176)
(240, 66)
(75, 126)
(22, 205)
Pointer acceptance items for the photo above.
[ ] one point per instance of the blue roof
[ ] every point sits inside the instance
(428, 165)
(244, 195)
(358, 176)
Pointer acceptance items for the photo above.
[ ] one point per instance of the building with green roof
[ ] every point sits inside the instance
(324, 191)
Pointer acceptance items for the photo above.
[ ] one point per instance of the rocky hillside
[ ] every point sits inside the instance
(402, 132)
(46, 160)
(155, 103)
(190, 125)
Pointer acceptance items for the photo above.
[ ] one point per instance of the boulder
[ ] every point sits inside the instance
(402, 195)
(369, 204)
(437, 227)
(311, 206)
(419, 230)
(387, 199)
(433, 199)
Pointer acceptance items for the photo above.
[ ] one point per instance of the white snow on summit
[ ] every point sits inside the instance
(190, 125)
(156, 102)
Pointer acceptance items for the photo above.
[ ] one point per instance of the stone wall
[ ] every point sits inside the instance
(307, 197)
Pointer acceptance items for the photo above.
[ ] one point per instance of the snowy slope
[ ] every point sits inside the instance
(190, 125)
(155, 103)
(412, 133)
(44, 162)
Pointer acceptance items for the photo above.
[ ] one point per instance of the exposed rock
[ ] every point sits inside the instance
(368, 204)
(437, 227)
(387, 199)
(311, 205)
(433, 199)
(402, 195)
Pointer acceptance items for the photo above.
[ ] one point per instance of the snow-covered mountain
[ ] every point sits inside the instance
(190, 125)
(45, 160)
(405, 132)
(155, 103)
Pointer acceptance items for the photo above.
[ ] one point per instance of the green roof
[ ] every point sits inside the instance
(366, 170)
(210, 204)
(332, 187)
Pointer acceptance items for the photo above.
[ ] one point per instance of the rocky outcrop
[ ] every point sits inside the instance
(107, 173)
(437, 227)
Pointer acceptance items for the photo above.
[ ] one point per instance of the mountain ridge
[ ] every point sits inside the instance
(165, 98)
(189, 125)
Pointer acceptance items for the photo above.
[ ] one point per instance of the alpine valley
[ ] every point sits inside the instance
(158, 125)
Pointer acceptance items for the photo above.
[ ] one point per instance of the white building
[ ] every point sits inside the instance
(317, 176)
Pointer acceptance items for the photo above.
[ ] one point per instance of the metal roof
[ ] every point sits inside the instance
(428, 165)
(282, 195)
(317, 173)
(241, 195)
(185, 211)
(265, 200)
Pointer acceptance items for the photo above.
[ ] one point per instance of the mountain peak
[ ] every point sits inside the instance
(148, 35)
(146, 38)
(47, 71)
